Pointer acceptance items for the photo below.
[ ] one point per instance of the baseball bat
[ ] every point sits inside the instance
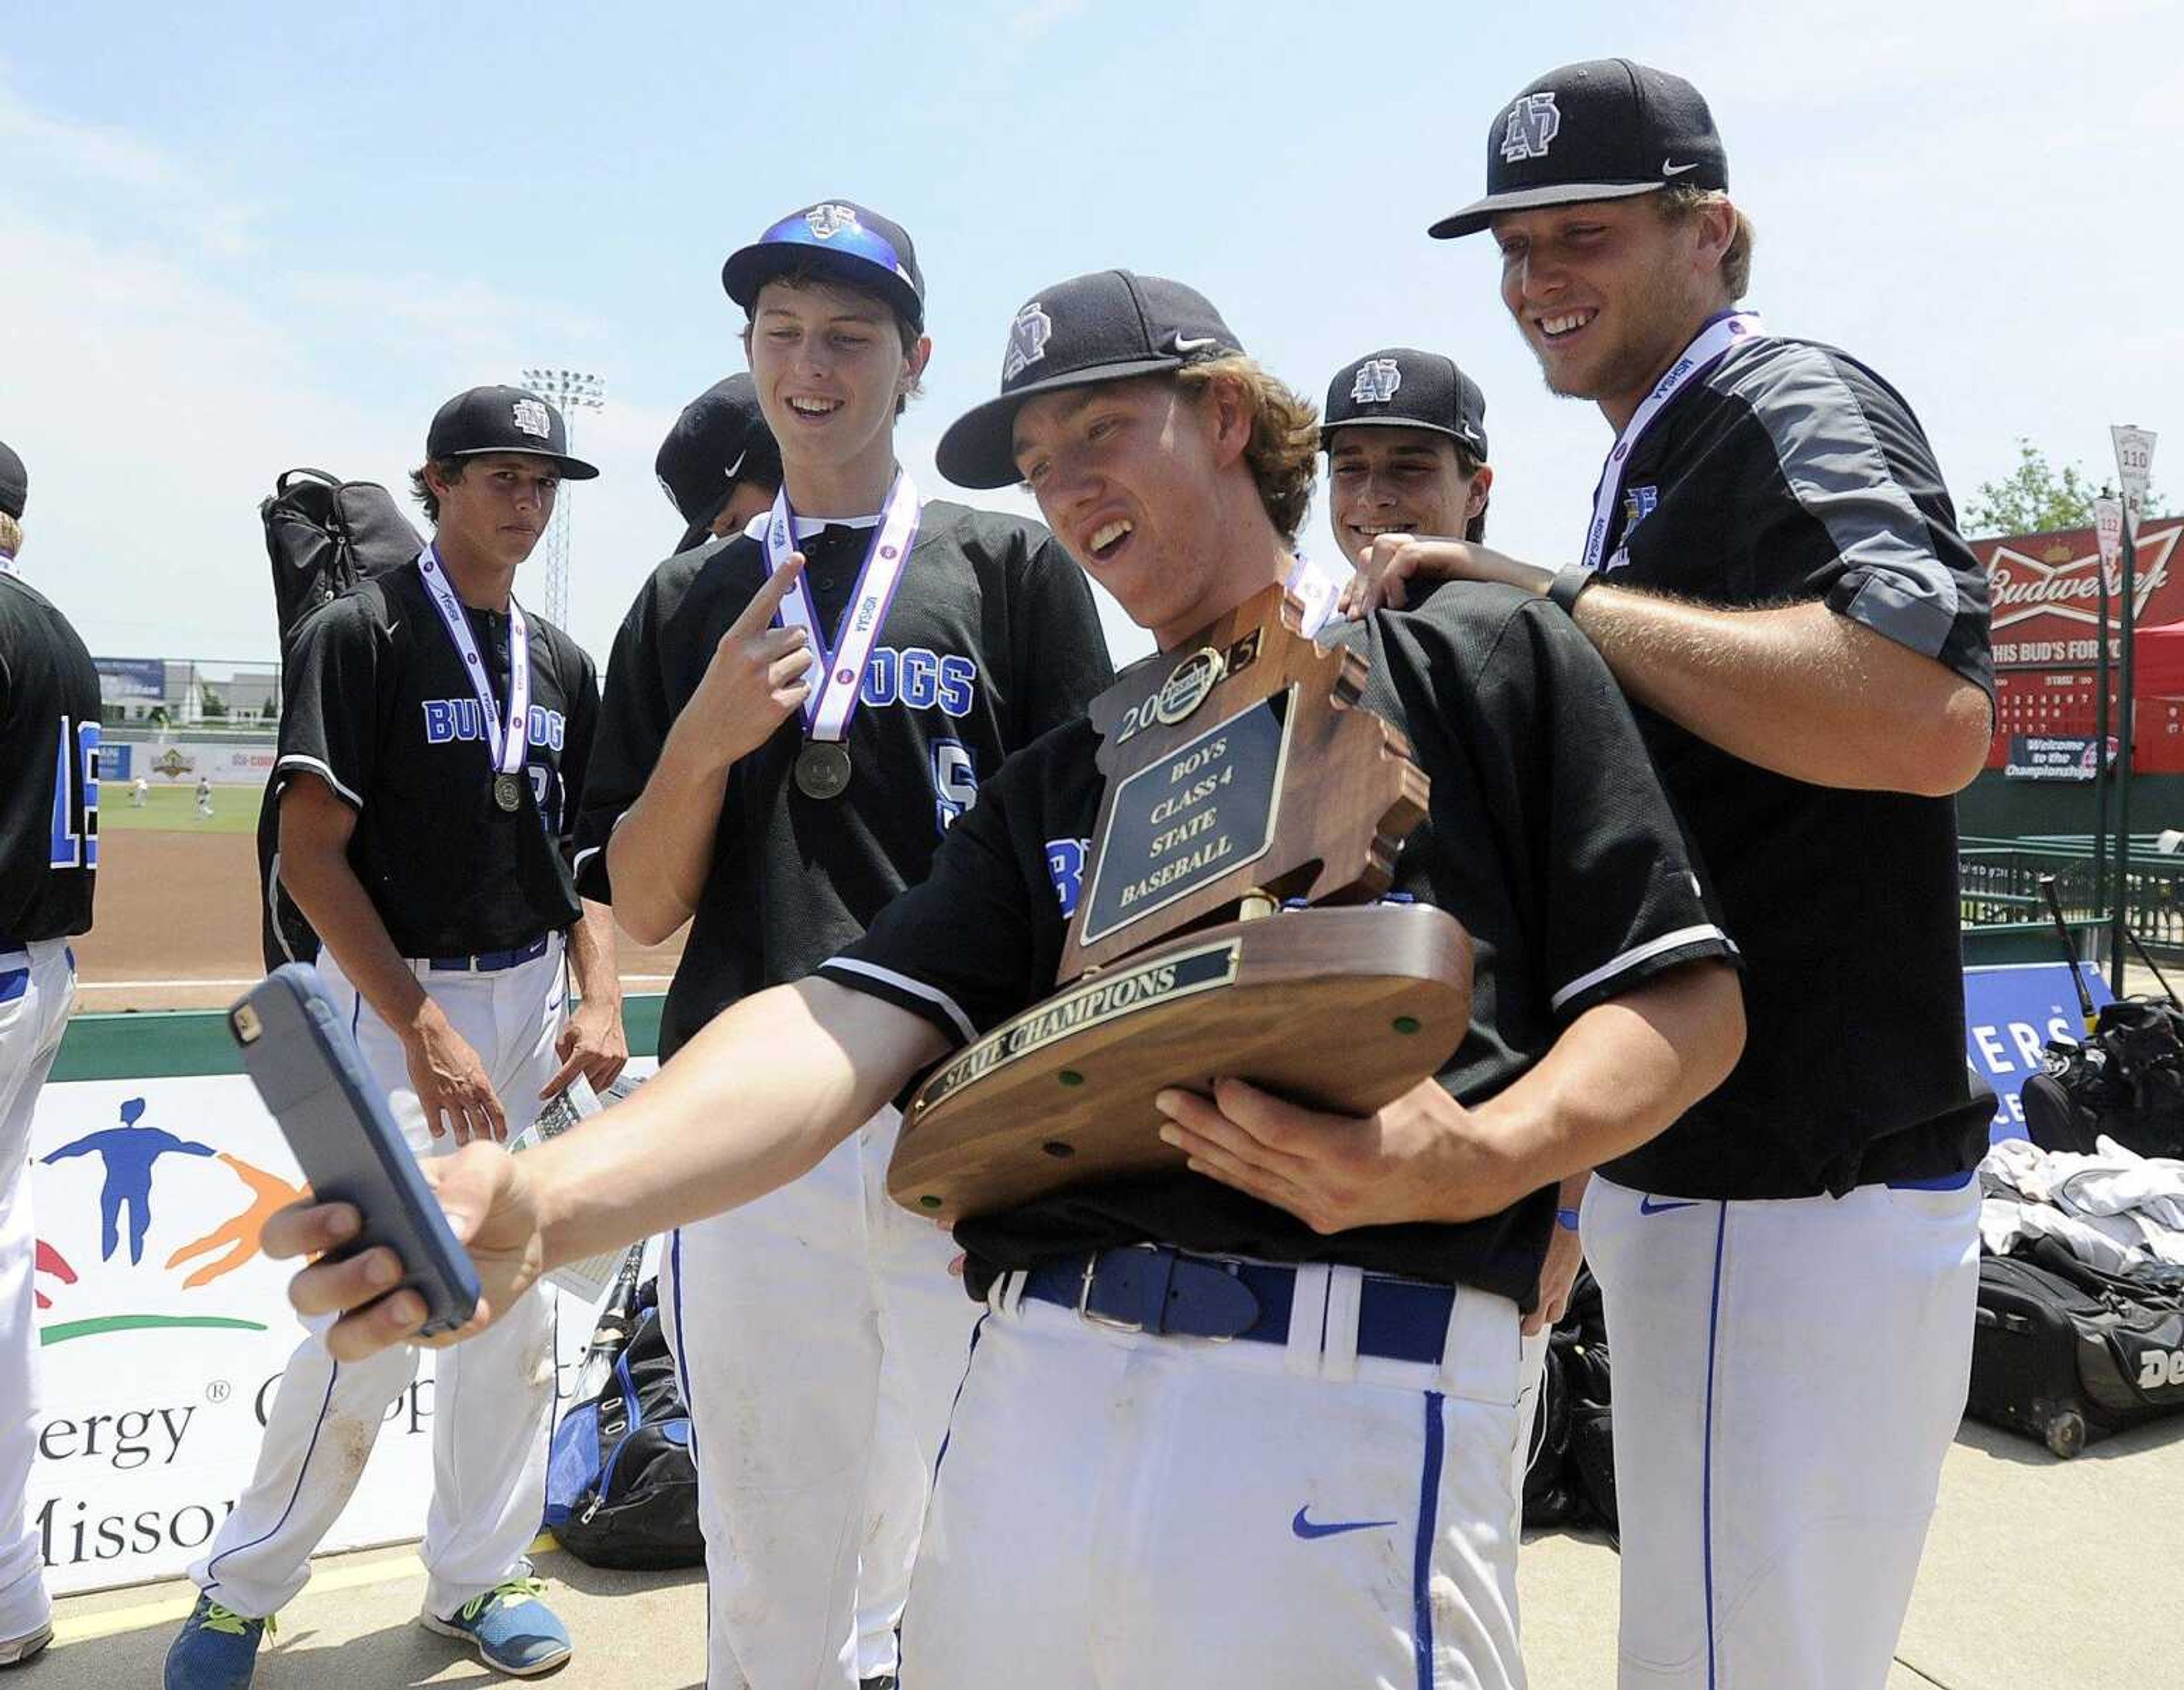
(2151, 964)
(2070, 948)
(612, 1331)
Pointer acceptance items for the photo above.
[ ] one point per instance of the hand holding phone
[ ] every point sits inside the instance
(306, 1066)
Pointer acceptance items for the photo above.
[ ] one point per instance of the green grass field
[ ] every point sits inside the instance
(173, 809)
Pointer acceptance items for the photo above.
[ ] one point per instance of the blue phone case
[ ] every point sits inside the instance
(299, 1053)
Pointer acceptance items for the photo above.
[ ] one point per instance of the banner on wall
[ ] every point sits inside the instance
(163, 1331)
(183, 762)
(2010, 1013)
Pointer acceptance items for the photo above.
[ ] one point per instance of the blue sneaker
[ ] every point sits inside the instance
(511, 1628)
(216, 1650)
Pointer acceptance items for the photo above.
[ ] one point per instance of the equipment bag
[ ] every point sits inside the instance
(2067, 1354)
(2125, 1082)
(323, 535)
(621, 1486)
(1570, 1474)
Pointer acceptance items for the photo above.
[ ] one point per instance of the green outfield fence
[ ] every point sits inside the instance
(168, 1044)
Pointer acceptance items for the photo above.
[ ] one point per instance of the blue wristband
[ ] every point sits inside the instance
(1566, 1218)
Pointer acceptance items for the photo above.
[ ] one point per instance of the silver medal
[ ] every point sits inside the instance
(822, 769)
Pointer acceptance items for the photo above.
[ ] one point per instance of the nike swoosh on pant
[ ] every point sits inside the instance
(1308, 1529)
(1647, 1206)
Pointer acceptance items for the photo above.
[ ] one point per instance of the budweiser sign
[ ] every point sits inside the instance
(2045, 592)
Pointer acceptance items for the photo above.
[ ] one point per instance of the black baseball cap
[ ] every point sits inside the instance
(1107, 326)
(1401, 387)
(1605, 128)
(487, 420)
(843, 238)
(721, 438)
(14, 480)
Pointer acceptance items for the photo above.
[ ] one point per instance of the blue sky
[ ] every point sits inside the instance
(243, 237)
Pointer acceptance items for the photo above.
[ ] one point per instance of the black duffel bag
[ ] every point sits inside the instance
(2125, 1082)
(2070, 1355)
(621, 1486)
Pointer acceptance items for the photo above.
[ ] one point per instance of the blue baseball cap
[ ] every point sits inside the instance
(842, 238)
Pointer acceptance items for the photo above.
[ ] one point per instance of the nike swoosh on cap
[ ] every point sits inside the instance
(1668, 169)
(1195, 343)
(738, 463)
(1308, 1529)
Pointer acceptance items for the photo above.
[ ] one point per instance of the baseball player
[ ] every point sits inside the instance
(431, 760)
(49, 723)
(778, 803)
(1330, 1497)
(203, 800)
(140, 794)
(1773, 571)
(718, 466)
(1405, 435)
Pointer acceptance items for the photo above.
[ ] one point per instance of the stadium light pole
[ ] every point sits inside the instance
(570, 391)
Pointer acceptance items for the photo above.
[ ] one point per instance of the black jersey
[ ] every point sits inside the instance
(991, 639)
(1547, 837)
(49, 769)
(1792, 473)
(379, 707)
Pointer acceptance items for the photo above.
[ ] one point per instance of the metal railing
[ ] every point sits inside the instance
(2000, 897)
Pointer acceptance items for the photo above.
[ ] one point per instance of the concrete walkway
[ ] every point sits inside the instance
(2040, 1574)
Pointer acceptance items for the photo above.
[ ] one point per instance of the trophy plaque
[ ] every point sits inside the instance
(1241, 777)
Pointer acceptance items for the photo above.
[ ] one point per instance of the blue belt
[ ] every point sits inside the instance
(14, 982)
(1150, 1288)
(1940, 1182)
(491, 961)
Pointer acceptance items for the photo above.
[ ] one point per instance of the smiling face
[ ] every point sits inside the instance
(831, 366)
(1386, 480)
(1145, 486)
(497, 508)
(1607, 293)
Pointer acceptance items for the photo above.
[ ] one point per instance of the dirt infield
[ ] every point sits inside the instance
(177, 926)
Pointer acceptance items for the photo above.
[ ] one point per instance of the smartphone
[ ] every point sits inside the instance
(299, 1053)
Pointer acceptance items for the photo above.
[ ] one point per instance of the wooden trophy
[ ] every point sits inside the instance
(1241, 775)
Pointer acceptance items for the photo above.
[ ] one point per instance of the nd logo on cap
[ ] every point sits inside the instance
(529, 417)
(1377, 381)
(1534, 122)
(1028, 338)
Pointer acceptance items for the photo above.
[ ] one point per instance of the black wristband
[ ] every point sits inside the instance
(1571, 581)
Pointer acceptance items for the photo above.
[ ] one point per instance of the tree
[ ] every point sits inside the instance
(212, 704)
(2036, 498)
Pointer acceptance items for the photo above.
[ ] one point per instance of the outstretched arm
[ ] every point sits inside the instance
(753, 1101)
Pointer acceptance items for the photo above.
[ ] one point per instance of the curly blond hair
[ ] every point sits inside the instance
(1284, 449)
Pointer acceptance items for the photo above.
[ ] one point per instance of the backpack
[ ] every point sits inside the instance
(622, 1485)
(1570, 1474)
(323, 535)
(2067, 1354)
(2125, 1082)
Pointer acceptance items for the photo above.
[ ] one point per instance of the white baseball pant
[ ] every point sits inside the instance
(493, 1397)
(820, 1336)
(37, 984)
(1115, 1510)
(1788, 1377)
